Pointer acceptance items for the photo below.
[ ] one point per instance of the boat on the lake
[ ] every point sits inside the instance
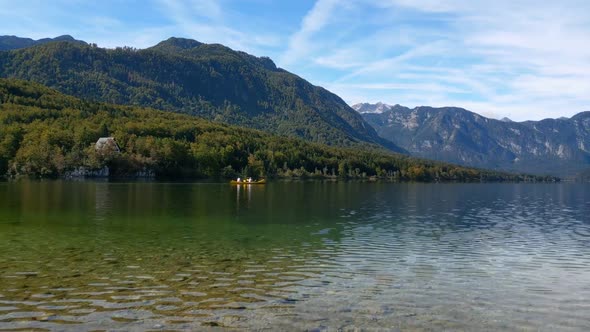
(240, 181)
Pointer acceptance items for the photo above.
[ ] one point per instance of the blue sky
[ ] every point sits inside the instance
(521, 59)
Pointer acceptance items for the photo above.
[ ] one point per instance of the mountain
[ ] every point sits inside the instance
(372, 108)
(13, 42)
(554, 146)
(207, 80)
(48, 134)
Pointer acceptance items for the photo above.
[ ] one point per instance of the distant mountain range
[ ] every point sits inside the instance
(13, 42)
(185, 76)
(556, 146)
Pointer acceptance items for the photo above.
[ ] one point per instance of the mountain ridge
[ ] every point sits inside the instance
(377, 107)
(207, 80)
(555, 146)
(11, 42)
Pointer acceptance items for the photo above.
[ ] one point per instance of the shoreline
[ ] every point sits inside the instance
(271, 180)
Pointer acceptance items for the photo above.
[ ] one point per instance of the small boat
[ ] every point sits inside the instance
(262, 181)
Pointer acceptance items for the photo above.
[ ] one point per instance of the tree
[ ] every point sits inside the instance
(255, 166)
(46, 134)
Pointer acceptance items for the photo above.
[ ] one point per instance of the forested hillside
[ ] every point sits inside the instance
(47, 134)
(206, 80)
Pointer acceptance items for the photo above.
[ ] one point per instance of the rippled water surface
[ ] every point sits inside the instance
(81, 256)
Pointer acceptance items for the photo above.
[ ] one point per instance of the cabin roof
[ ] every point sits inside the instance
(103, 141)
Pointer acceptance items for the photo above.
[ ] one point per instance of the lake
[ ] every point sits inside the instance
(82, 256)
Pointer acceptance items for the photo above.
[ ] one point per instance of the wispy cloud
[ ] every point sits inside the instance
(210, 8)
(432, 87)
(317, 18)
(521, 59)
(204, 20)
(393, 64)
(187, 11)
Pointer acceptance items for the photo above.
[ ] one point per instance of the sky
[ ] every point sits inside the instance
(521, 59)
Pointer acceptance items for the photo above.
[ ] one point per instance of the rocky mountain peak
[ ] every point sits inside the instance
(379, 107)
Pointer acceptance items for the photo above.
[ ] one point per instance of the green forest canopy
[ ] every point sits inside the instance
(207, 80)
(47, 134)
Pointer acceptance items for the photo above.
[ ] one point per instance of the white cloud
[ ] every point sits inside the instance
(394, 64)
(344, 58)
(432, 87)
(522, 59)
(317, 18)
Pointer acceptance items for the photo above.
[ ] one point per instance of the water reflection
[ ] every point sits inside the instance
(86, 256)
